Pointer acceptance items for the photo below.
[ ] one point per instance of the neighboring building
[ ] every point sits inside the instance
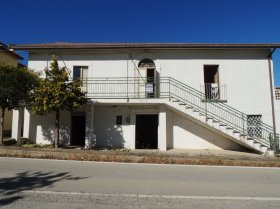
(162, 96)
(8, 57)
(277, 93)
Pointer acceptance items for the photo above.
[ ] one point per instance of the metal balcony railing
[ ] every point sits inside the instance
(214, 91)
(167, 87)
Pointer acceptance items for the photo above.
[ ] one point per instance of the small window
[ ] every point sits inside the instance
(277, 93)
(147, 63)
(80, 72)
(254, 125)
(119, 120)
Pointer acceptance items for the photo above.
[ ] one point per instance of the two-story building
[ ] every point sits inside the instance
(162, 96)
(8, 57)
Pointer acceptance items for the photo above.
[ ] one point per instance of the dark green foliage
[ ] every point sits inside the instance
(56, 93)
(16, 85)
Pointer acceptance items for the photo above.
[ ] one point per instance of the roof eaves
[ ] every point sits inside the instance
(81, 46)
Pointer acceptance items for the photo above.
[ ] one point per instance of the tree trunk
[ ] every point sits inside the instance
(57, 117)
(2, 127)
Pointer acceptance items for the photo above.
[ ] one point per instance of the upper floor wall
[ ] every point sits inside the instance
(244, 72)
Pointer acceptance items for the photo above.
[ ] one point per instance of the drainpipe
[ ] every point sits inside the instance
(271, 91)
(127, 99)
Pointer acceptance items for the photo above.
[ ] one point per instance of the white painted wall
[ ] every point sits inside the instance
(42, 128)
(108, 134)
(245, 73)
(190, 135)
(174, 131)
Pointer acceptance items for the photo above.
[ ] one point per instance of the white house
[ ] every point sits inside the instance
(162, 96)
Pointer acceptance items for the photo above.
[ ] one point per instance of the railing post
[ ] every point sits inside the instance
(127, 89)
(206, 118)
(169, 95)
(243, 123)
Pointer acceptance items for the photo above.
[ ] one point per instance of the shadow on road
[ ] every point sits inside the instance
(11, 186)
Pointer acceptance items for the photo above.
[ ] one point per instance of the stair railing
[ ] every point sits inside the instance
(167, 87)
(222, 113)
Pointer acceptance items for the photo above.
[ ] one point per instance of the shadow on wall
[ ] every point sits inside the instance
(11, 187)
(112, 138)
(42, 129)
(48, 133)
(90, 141)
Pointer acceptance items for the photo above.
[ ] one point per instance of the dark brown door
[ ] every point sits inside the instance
(78, 130)
(146, 133)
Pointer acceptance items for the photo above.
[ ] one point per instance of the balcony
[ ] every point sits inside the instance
(143, 88)
(125, 88)
(214, 92)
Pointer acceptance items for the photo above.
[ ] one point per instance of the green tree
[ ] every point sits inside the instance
(56, 93)
(16, 85)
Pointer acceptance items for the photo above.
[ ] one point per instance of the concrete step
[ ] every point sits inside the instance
(263, 148)
(270, 152)
(250, 142)
(222, 128)
(257, 145)
(243, 138)
(236, 134)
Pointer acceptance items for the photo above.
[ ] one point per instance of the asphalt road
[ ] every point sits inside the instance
(29, 183)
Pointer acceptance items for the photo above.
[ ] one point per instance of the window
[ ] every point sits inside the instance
(147, 63)
(80, 72)
(119, 120)
(277, 93)
(254, 125)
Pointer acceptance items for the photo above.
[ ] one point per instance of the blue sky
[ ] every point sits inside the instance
(203, 21)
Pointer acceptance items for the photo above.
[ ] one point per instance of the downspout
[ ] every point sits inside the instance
(127, 99)
(271, 91)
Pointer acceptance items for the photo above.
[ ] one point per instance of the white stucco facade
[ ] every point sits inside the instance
(243, 72)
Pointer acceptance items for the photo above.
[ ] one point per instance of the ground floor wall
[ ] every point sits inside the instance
(191, 135)
(115, 126)
(41, 129)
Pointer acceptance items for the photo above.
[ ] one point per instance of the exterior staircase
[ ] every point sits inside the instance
(194, 104)
(221, 118)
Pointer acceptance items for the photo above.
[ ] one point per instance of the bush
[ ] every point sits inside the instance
(10, 142)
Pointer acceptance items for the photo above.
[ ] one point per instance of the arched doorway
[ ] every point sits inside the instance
(148, 68)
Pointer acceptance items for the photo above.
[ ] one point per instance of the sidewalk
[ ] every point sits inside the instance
(173, 156)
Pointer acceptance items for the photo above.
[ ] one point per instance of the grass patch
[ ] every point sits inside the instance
(47, 146)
